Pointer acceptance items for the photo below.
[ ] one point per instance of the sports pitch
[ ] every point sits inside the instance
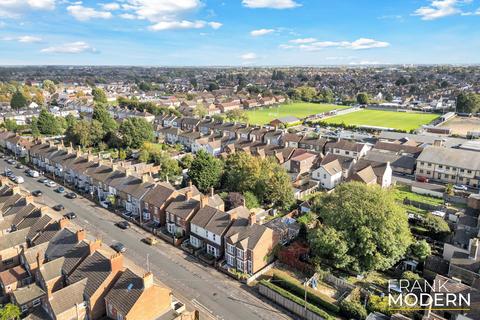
(296, 109)
(388, 119)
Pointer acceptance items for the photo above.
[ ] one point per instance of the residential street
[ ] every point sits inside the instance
(214, 294)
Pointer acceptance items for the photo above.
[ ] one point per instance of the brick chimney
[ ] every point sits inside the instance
(39, 260)
(203, 201)
(116, 262)
(189, 194)
(90, 156)
(44, 210)
(94, 245)
(233, 215)
(81, 235)
(252, 219)
(79, 152)
(147, 280)
(63, 223)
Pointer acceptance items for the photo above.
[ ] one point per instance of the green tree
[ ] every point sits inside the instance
(326, 95)
(49, 86)
(251, 200)
(306, 93)
(330, 245)
(278, 186)
(353, 309)
(10, 312)
(18, 100)
(135, 131)
(101, 114)
(468, 102)
(47, 123)
(421, 249)
(200, 111)
(10, 125)
(122, 154)
(242, 171)
(362, 98)
(206, 171)
(368, 221)
(99, 95)
(186, 161)
(449, 189)
(34, 128)
(236, 115)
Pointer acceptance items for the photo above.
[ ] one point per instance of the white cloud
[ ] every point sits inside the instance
(82, 13)
(303, 40)
(440, 8)
(70, 48)
(183, 24)
(248, 56)
(215, 25)
(261, 32)
(110, 6)
(23, 39)
(15, 8)
(309, 44)
(273, 4)
(165, 14)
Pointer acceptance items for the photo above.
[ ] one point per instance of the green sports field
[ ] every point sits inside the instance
(296, 109)
(388, 119)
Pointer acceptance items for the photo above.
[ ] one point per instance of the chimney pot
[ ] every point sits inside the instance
(81, 235)
(116, 262)
(252, 219)
(64, 222)
(94, 245)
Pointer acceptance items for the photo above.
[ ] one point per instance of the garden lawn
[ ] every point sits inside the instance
(388, 119)
(296, 109)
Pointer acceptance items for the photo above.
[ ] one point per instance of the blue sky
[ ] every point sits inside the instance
(239, 32)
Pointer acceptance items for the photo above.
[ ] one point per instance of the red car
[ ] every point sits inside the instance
(422, 179)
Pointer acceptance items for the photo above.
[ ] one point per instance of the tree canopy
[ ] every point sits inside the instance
(18, 100)
(362, 98)
(135, 131)
(363, 229)
(468, 102)
(99, 95)
(205, 171)
(10, 312)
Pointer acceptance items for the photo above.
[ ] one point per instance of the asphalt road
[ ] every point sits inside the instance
(214, 294)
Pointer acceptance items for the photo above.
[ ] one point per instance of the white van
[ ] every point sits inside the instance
(19, 180)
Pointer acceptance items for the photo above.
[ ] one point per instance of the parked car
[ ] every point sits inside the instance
(37, 193)
(70, 215)
(19, 180)
(59, 207)
(422, 179)
(105, 204)
(150, 240)
(33, 173)
(43, 180)
(460, 187)
(123, 225)
(119, 247)
(50, 184)
(19, 166)
(60, 190)
(71, 195)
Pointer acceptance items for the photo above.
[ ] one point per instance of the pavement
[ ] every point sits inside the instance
(202, 287)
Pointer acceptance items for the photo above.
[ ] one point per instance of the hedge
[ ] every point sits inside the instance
(299, 290)
(288, 295)
(353, 310)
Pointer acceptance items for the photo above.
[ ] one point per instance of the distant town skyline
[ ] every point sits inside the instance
(239, 32)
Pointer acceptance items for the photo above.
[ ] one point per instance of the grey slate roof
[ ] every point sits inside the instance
(125, 292)
(28, 293)
(451, 157)
(68, 297)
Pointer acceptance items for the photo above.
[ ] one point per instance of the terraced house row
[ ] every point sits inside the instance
(51, 269)
(184, 215)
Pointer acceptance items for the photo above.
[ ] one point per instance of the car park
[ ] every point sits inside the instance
(58, 207)
(119, 247)
(70, 215)
(123, 225)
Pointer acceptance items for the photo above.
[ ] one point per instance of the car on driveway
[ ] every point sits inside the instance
(60, 190)
(37, 193)
(70, 215)
(50, 184)
(59, 207)
(123, 225)
(460, 187)
(71, 195)
(119, 247)
(150, 240)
